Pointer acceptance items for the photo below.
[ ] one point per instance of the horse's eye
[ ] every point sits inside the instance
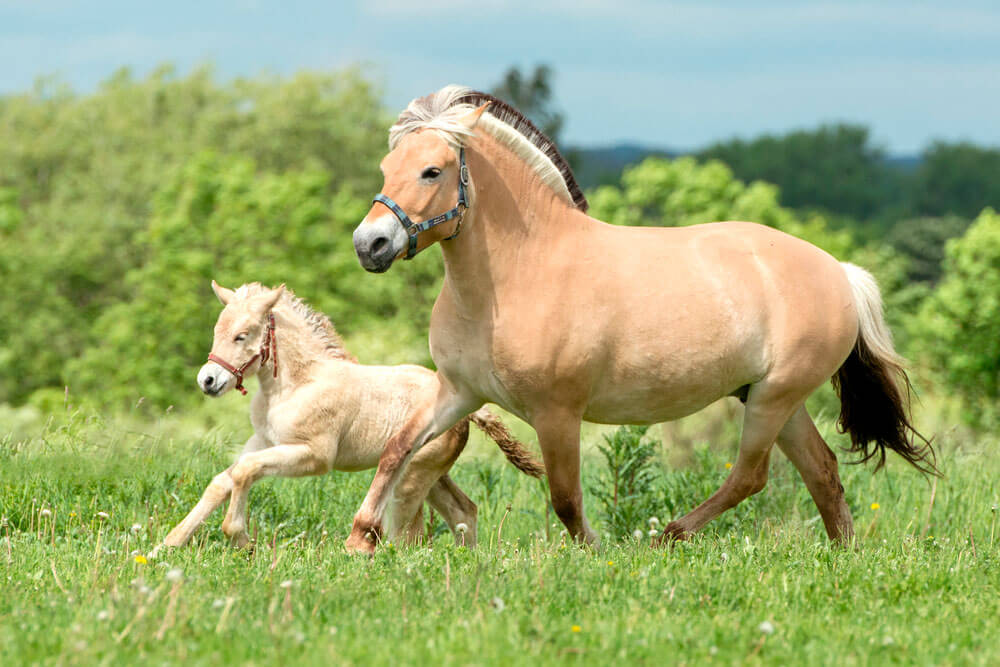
(430, 173)
(241, 337)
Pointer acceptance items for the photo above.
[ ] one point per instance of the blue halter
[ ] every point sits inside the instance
(414, 228)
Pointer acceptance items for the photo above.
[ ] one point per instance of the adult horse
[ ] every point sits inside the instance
(558, 317)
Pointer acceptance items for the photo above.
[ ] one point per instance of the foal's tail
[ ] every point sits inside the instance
(514, 450)
(874, 389)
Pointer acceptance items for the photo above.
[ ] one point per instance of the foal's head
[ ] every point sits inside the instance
(240, 335)
(422, 173)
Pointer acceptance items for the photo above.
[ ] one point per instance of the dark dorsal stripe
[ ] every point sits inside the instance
(515, 119)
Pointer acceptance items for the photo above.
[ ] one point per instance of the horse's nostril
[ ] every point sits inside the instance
(378, 244)
(209, 381)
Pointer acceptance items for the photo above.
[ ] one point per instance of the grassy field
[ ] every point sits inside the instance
(81, 498)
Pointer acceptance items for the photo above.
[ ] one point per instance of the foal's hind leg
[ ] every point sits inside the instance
(804, 447)
(766, 413)
(455, 508)
(423, 474)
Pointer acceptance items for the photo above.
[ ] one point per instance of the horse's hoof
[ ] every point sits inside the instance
(671, 534)
(360, 543)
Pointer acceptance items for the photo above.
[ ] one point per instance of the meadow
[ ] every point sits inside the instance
(84, 500)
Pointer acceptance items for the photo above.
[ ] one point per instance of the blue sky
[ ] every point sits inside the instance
(670, 74)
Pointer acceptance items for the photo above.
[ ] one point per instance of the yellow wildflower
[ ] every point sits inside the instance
(140, 559)
(610, 563)
(575, 628)
(875, 506)
(729, 465)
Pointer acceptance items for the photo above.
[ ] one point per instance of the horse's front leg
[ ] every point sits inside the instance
(216, 493)
(425, 423)
(559, 437)
(282, 460)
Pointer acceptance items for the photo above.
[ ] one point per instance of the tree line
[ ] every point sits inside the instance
(118, 207)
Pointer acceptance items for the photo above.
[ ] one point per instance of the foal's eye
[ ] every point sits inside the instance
(430, 173)
(240, 337)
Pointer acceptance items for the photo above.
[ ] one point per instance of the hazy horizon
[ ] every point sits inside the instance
(675, 76)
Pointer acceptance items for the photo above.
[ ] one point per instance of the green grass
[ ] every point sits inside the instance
(922, 587)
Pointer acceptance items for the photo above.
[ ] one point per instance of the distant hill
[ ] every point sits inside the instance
(603, 165)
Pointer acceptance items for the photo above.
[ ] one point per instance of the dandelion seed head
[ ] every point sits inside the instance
(461, 528)
(766, 628)
(287, 583)
(653, 522)
(103, 615)
(45, 512)
(497, 604)
(175, 575)
(637, 533)
(103, 516)
(135, 528)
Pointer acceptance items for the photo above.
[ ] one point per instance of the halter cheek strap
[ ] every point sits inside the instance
(413, 229)
(268, 350)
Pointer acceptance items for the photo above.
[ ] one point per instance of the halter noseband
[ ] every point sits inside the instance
(414, 228)
(268, 350)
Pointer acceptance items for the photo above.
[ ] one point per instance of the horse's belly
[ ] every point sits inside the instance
(643, 403)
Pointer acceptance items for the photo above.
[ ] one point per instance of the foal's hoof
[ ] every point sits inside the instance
(360, 543)
(671, 534)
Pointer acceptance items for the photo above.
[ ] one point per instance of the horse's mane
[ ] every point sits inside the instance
(317, 323)
(440, 111)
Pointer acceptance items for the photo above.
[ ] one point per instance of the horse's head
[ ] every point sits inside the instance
(243, 336)
(423, 198)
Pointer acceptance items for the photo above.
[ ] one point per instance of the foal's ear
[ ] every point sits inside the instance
(225, 295)
(470, 119)
(269, 299)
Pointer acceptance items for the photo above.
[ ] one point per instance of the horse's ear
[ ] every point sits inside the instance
(225, 295)
(470, 119)
(269, 299)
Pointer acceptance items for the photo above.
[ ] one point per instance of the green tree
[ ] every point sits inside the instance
(957, 327)
(922, 242)
(834, 168)
(78, 174)
(957, 179)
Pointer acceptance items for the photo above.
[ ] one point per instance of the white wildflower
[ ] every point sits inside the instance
(46, 513)
(654, 522)
(103, 615)
(766, 628)
(135, 528)
(637, 534)
(103, 515)
(497, 605)
(461, 528)
(724, 556)
(175, 575)
(653, 532)
(287, 583)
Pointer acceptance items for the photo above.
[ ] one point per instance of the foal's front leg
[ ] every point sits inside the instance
(282, 460)
(216, 493)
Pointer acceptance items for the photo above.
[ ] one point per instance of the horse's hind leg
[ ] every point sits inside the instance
(805, 448)
(767, 412)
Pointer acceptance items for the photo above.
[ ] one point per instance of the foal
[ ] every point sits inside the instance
(320, 410)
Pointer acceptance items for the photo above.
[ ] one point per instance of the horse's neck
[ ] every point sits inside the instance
(296, 350)
(515, 219)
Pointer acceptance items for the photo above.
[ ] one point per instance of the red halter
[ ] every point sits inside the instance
(268, 350)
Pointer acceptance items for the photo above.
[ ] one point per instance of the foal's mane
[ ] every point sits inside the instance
(316, 322)
(440, 111)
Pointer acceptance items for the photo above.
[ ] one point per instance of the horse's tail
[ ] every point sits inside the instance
(874, 389)
(514, 450)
